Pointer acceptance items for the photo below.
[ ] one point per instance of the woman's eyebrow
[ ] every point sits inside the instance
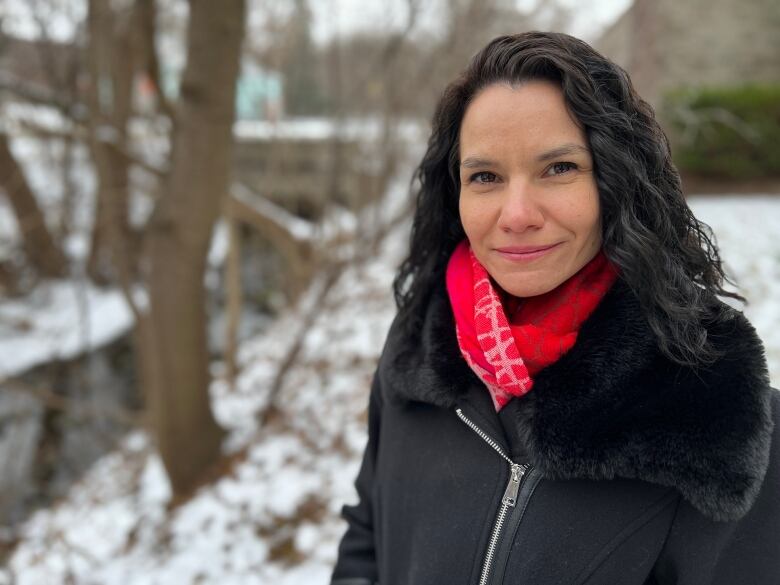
(562, 150)
(474, 162)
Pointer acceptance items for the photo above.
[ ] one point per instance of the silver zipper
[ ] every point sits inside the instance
(517, 471)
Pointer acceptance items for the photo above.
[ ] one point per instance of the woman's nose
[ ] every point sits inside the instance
(520, 210)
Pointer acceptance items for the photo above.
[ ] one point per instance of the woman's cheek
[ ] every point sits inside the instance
(473, 215)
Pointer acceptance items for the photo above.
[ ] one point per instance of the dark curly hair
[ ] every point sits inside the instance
(665, 255)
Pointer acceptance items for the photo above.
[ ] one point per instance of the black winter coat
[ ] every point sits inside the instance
(618, 468)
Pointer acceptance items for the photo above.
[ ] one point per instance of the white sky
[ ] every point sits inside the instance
(330, 16)
(59, 15)
(340, 16)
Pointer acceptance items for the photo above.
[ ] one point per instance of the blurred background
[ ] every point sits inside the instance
(202, 205)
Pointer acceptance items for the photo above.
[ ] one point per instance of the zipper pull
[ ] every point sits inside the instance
(510, 495)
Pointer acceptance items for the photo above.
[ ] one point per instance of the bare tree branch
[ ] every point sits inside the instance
(38, 94)
(71, 406)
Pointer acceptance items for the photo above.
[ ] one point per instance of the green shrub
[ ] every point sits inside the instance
(728, 132)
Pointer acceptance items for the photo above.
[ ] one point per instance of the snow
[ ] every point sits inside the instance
(18, 117)
(298, 228)
(42, 163)
(287, 488)
(60, 319)
(746, 229)
(274, 517)
(318, 129)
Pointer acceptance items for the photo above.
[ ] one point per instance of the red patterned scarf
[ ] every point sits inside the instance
(506, 352)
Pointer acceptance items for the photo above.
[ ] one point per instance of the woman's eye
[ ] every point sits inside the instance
(560, 168)
(482, 177)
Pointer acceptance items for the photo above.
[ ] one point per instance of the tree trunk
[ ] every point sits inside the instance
(188, 437)
(37, 240)
(235, 301)
(111, 57)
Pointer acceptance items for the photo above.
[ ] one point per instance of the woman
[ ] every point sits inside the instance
(562, 398)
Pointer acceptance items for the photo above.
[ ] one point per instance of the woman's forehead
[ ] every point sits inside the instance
(531, 120)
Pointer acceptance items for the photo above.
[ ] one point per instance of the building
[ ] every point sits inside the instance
(665, 44)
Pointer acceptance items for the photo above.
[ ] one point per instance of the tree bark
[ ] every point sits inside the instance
(111, 66)
(188, 437)
(44, 255)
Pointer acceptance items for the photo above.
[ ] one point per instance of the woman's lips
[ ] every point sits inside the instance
(525, 253)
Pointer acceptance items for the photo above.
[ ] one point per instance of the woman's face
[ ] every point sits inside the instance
(528, 198)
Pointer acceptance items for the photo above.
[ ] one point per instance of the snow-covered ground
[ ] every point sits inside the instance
(273, 519)
(746, 229)
(59, 320)
(279, 506)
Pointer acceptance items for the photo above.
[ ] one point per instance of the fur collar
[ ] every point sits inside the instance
(613, 406)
